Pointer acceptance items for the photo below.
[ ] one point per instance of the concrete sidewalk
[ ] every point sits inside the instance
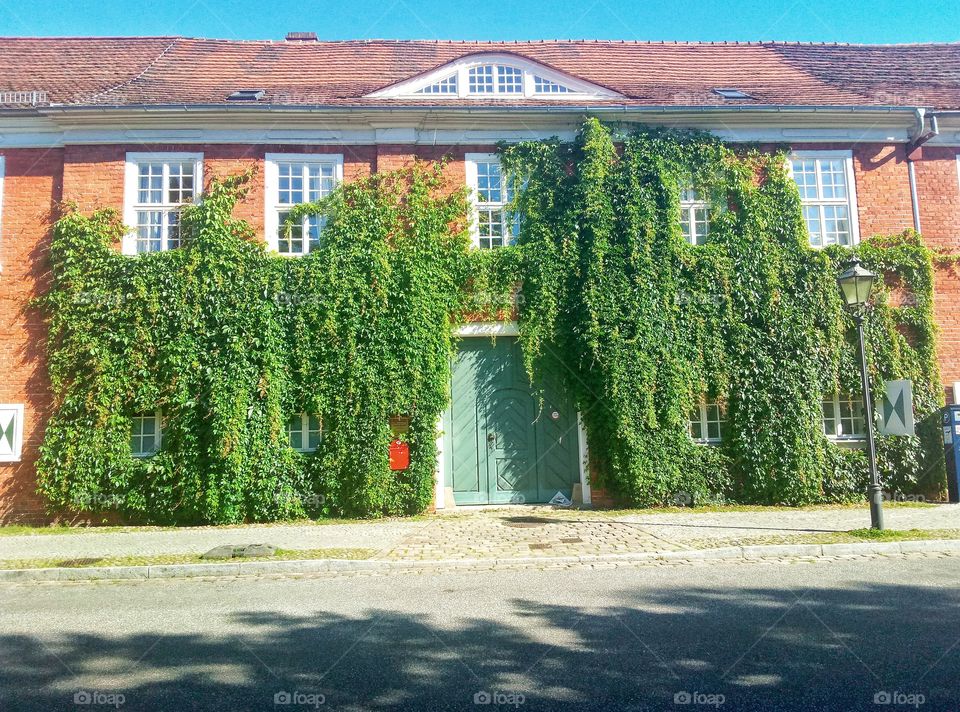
(376, 535)
(490, 534)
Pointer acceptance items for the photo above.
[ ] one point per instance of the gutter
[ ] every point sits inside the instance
(561, 109)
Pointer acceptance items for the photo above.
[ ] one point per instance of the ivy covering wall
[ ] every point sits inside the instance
(648, 324)
(228, 341)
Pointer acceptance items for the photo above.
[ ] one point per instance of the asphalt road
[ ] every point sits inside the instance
(823, 636)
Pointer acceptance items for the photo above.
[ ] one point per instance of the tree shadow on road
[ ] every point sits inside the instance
(758, 648)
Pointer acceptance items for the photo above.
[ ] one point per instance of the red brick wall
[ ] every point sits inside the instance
(93, 177)
(31, 186)
(939, 190)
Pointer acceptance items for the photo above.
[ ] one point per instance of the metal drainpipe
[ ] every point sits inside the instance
(912, 173)
(914, 200)
(920, 139)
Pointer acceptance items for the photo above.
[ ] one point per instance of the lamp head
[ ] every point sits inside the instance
(856, 283)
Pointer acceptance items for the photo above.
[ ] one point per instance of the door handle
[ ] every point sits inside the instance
(491, 438)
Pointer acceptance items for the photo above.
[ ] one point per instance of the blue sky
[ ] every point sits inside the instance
(808, 20)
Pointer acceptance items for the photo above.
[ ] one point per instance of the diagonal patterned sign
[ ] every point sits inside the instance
(896, 411)
(11, 432)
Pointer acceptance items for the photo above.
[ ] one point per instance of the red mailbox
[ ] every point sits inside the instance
(399, 455)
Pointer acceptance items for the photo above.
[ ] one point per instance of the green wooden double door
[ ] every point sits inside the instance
(501, 445)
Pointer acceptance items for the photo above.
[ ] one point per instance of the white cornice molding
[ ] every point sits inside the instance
(429, 127)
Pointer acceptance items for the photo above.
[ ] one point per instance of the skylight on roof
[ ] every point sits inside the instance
(732, 94)
(246, 95)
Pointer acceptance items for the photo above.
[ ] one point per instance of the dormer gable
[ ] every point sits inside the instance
(495, 76)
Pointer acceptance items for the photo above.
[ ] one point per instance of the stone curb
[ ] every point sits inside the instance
(313, 566)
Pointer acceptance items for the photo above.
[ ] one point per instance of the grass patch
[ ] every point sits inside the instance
(901, 534)
(281, 555)
(54, 529)
(847, 537)
(722, 508)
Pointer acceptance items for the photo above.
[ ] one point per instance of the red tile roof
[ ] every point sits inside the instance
(176, 70)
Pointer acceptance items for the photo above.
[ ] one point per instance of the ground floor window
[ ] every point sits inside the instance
(707, 421)
(843, 417)
(304, 432)
(145, 434)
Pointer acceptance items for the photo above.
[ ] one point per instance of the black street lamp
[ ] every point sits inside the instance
(856, 283)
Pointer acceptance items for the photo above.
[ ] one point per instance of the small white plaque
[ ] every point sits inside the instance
(11, 431)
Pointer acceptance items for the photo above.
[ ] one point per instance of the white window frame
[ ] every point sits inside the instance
(17, 449)
(721, 421)
(838, 419)
(305, 431)
(471, 161)
(271, 192)
(851, 200)
(158, 437)
(693, 206)
(131, 204)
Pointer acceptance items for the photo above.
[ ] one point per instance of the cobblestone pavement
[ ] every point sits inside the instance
(507, 534)
(491, 533)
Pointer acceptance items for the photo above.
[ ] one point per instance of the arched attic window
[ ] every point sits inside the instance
(502, 77)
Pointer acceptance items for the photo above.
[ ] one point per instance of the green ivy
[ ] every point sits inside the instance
(648, 324)
(228, 341)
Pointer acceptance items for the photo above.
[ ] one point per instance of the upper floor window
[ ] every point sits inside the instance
(694, 217)
(707, 421)
(293, 179)
(145, 434)
(157, 187)
(843, 417)
(447, 85)
(503, 76)
(545, 86)
(495, 79)
(825, 182)
(304, 431)
(493, 193)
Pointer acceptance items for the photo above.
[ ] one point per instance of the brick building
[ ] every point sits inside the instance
(140, 124)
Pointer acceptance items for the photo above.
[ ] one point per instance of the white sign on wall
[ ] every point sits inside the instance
(896, 416)
(11, 432)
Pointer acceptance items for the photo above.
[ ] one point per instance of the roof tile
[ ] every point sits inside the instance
(179, 70)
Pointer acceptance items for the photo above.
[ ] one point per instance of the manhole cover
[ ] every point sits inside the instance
(79, 562)
(525, 522)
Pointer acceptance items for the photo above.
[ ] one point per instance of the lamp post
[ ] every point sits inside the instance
(856, 283)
